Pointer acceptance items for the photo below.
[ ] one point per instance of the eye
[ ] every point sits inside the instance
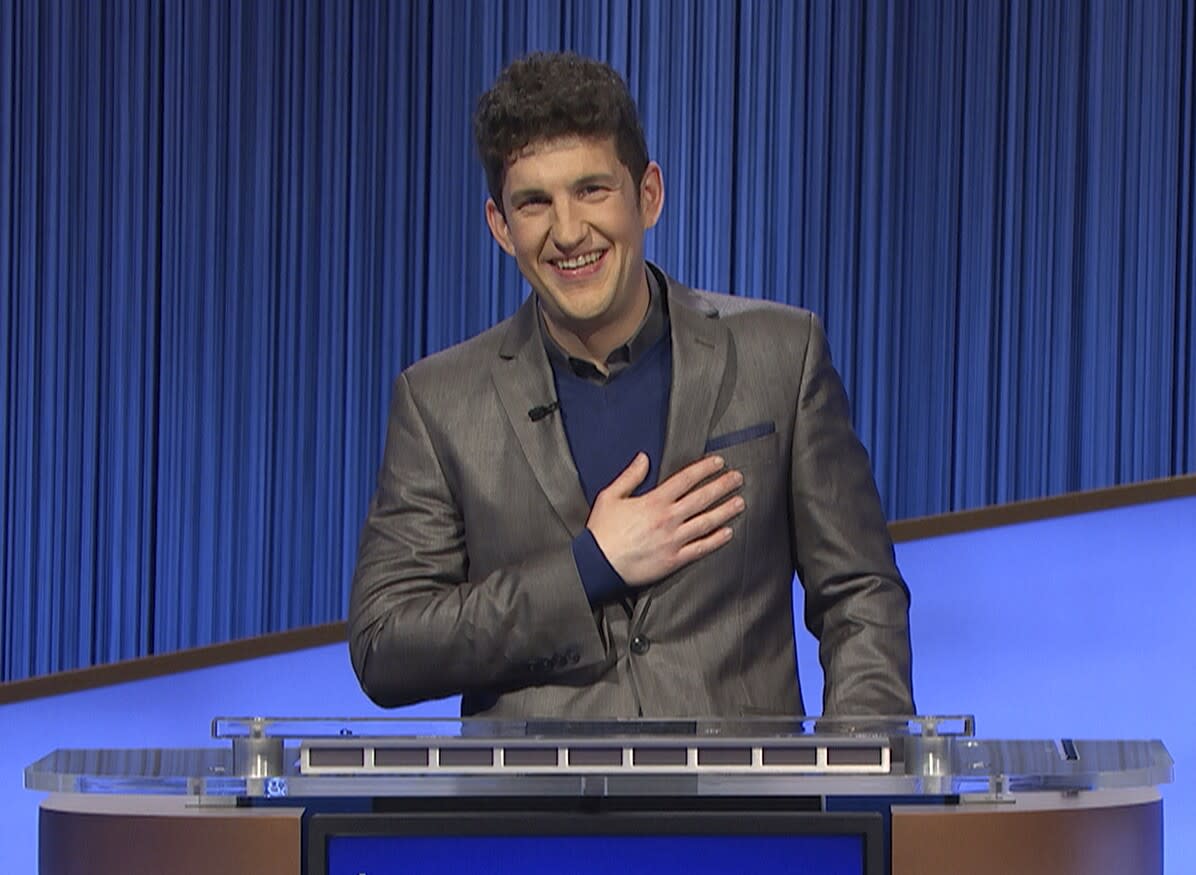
(532, 203)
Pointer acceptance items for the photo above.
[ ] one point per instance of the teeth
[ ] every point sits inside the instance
(580, 261)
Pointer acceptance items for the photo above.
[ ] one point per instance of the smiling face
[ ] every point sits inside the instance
(575, 220)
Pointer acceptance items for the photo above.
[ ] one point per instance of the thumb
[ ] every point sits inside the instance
(630, 477)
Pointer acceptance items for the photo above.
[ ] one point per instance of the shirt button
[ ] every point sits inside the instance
(640, 644)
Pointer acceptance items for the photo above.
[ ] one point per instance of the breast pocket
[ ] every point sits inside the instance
(754, 445)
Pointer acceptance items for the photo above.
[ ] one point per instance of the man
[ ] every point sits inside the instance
(596, 508)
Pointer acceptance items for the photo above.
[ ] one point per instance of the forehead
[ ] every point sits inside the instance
(543, 163)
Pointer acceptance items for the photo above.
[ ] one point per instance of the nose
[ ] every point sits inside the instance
(569, 229)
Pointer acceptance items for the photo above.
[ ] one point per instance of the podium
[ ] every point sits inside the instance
(868, 796)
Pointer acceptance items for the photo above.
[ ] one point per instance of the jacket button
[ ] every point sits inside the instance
(640, 644)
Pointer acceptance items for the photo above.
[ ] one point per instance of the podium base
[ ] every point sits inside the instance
(1099, 832)
(1105, 832)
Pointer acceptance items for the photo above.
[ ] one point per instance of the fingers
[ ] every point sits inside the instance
(629, 478)
(700, 547)
(690, 476)
(703, 512)
(707, 494)
(712, 521)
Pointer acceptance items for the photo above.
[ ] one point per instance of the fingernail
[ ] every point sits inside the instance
(719, 461)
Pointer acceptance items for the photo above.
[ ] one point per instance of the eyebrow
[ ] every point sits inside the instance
(597, 179)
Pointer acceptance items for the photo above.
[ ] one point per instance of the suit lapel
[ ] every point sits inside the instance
(699, 359)
(700, 344)
(523, 378)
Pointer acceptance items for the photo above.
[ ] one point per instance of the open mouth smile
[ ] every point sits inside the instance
(579, 265)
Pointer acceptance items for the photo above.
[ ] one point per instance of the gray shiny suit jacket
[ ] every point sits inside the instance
(465, 579)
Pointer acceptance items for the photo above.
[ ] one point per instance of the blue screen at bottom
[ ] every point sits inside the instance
(596, 855)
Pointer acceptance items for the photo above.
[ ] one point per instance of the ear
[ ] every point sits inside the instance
(651, 194)
(498, 227)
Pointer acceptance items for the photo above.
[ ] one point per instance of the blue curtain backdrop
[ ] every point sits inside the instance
(225, 226)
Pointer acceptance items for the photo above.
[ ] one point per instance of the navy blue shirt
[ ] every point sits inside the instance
(610, 417)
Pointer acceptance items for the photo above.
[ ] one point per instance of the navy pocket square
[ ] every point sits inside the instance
(732, 438)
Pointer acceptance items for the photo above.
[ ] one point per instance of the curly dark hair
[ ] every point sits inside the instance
(545, 96)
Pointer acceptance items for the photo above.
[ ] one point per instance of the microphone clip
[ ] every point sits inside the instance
(542, 411)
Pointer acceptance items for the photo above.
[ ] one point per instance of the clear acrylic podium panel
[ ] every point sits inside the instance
(873, 756)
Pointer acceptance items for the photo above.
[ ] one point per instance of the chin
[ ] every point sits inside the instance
(580, 312)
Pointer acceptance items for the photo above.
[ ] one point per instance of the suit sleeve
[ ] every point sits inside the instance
(856, 603)
(419, 626)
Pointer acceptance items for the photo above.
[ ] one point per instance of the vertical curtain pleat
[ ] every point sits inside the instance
(1183, 437)
(225, 226)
